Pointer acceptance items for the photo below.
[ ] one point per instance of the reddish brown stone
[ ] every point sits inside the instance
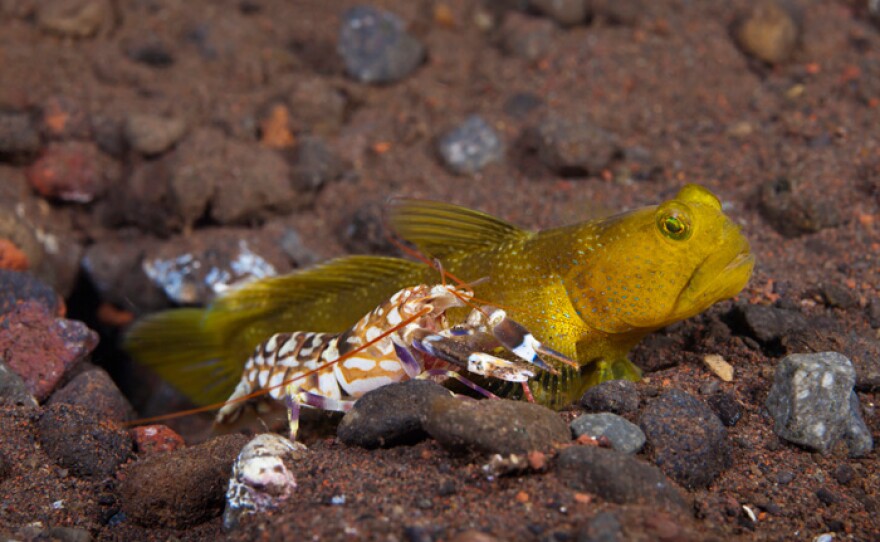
(152, 439)
(41, 348)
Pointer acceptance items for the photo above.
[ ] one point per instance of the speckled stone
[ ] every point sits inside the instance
(470, 146)
(688, 442)
(813, 403)
(375, 46)
(617, 396)
(624, 435)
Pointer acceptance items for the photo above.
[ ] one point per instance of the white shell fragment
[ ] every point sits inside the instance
(719, 366)
(262, 477)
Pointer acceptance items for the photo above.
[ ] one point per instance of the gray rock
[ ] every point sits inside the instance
(526, 37)
(838, 296)
(317, 107)
(768, 324)
(726, 408)
(17, 288)
(316, 164)
(376, 47)
(494, 426)
(114, 268)
(151, 134)
(862, 351)
(13, 390)
(618, 478)
(874, 313)
(470, 146)
(813, 403)
(687, 440)
(617, 396)
(519, 105)
(564, 12)
(390, 415)
(624, 435)
(195, 269)
(603, 527)
(787, 206)
(96, 392)
(18, 135)
(76, 440)
(572, 146)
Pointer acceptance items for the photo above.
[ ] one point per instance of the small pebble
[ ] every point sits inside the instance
(768, 32)
(152, 134)
(376, 47)
(624, 435)
(149, 50)
(526, 37)
(616, 396)
(728, 410)
(153, 439)
(710, 387)
(766, 323)
(98, 449)
(469, 147)
(182, 488)
(69, 171)
(365, 231)
(827, 497)
(719, 366)
(603, 527)
(17, 288)
(521, 104)
(209, 263)
(496, 427)
(617, 477)
(18, 136)
(73, 18)
(792, 212)
(316, 165)
(784, 477)
(11, 257)
(95, 391)
(844, 474)
(113, 267)
(317, 107)
(13, 390)
(689, 442)
(65, 118)
(874, 313)
(813, 403)
(571, 145)
(840, 297)
(390, 415)
(564, 12)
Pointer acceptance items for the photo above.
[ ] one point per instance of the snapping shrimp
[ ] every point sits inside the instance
(406, 337)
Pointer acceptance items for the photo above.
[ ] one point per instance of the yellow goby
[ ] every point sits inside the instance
(590, 290)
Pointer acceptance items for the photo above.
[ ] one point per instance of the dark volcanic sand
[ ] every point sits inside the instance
(776, 143)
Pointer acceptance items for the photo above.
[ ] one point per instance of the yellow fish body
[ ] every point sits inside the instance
(590, 290)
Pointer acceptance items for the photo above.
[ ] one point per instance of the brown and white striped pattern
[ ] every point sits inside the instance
(285, 357)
